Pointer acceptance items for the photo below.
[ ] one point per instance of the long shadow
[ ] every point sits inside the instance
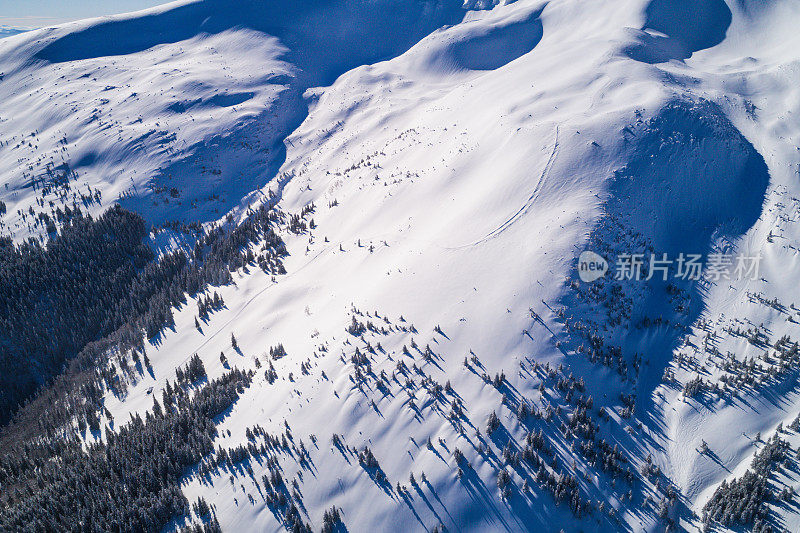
(407, 499)
(424, 498)
(479, 493)
(432, 490)
(714, 457)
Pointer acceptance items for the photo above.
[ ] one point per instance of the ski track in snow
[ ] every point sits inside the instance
(525, 207)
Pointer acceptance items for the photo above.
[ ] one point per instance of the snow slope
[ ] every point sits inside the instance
(459, 160)
(179, 111)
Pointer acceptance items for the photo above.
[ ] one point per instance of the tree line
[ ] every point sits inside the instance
(98, 278)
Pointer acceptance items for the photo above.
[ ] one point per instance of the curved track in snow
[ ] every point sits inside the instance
(525, 207)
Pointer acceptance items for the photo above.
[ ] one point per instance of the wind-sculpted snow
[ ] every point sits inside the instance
(681, 28)
(691, 178)
(697, 25)
(478, 47)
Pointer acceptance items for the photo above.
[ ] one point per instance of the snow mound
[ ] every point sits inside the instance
(488, 47)
(691, 178)
(675, 29)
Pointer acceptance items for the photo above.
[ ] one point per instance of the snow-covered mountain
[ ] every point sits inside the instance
(426, 354)
(8, 31)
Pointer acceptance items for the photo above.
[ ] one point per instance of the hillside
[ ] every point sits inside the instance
(404, 335)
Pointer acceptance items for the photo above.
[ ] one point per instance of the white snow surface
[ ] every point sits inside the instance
(459, 161)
